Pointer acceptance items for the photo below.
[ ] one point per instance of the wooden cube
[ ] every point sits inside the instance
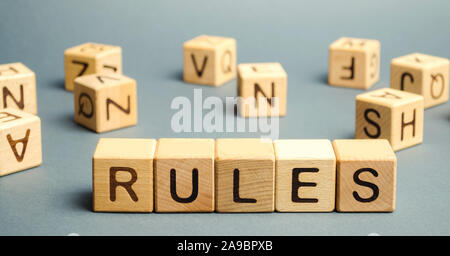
(390, 114)
(305, 176)
(122, 171)
(105, 102)
(184, 175)
(18, 87)
(262, 89)
(20, 141)
(245, 170)
(209, 60)
(354, 63)
(91, 58)
(422, 74)
(366, 173)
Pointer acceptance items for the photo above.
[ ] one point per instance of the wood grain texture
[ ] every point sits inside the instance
(184, 175)
(262, 88)
(128, 162)
(91, 58)
(305, 176)
(209, 60)
(366, 176)
(20, 141)
(18, 87)
(390, 114)
(354, 63)
(422, 74)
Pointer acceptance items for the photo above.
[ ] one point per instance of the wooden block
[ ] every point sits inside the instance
(105, 102)
(209, 60)
(366, 173)
(390, 114)
(262, 88)
(245, 170)
(354, 63)
(422, 74)
(18, 87)
(122, 171)
(20, 141)
(305, 175)
(91, 58)
(184, 175)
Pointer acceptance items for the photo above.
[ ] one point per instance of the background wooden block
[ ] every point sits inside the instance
(90, 58)
(184, 175)
(105, 102)
(258, 85)
(390, 114)
(354, 62)
(245, 170)
(20, 141)
(18, 87)
(366, 174)
(305, 176)
(122, 171)
(422, 74)
(209, 60)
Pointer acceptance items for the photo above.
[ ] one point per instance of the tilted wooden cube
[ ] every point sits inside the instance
(354, 62)
(104, 102)
(305, 176)
(184, 175)
(390, 114)
(122, 171)
(366, 176)
(209, 60)
(20, 141)
(422, 74)
(90, 58)
(262, 89)
(18, 87)
(245, 175)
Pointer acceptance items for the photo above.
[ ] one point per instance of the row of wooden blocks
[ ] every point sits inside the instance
(243, 175)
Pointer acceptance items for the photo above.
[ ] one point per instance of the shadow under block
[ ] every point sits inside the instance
(305, 176)
(123, 175)
(366, 176)
(245, 173)
(184, 175)
(390, 114)
(20, 141)
(209, 60)
(105, 102)
(422, 74)
(91, 58)
(262, 89)
(354, 63)
(18, 87)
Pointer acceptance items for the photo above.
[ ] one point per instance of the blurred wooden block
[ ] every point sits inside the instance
(122, 171)
(184, 175)
(18, 87)
(20, 141)
(244, 175)
(262, 88)
(305, 175)
(90, 58)
(105, 102)
(390, 114)
(209, 60)
(366, 174)
(422, 74)
(354, 63)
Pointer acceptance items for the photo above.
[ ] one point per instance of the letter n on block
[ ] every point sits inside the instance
(366, 174)
(123, 175)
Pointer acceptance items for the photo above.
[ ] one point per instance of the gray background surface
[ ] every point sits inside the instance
(55, 198)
